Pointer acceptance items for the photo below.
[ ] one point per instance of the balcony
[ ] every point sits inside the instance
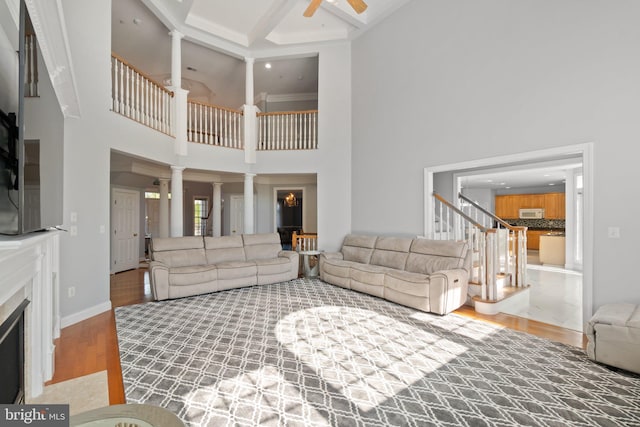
(137, 96)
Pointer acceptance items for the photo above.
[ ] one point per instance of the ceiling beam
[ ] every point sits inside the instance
(270, 20)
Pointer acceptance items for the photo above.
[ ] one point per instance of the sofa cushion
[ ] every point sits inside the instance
(236, 269)
(261, 246)
(179, 251)
(428, 256)
(273, 266)
(338, 267)
(368, 278)
(192, 275)
(224, 249)
(406, 282)
(391, 252)
(358, 248)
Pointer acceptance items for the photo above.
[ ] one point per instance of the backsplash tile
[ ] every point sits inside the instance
(553, 224)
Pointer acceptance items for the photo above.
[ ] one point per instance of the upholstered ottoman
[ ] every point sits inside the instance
(614, 336)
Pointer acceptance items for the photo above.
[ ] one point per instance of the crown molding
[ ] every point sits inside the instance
(49, 24)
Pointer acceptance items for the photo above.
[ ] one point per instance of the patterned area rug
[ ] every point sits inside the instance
(308, 353)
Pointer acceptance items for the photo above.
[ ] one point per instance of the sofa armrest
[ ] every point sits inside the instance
(159, 278)
(325, 256)
(294, 260)
(448, 290)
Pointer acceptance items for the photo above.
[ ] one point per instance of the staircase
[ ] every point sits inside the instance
(499, 261)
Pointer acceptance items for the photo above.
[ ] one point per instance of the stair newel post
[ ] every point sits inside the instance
(491, 263)
(521, 272)
(482, 263)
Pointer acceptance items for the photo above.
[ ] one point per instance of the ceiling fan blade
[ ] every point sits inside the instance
(311, 9)
(358, 5)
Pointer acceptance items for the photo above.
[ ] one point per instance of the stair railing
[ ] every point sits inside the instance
(512, 240)
(454, 224)
(138, 97)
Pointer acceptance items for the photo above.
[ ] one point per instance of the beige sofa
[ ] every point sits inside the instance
(430, 275)
(185, 266)
(614, 336)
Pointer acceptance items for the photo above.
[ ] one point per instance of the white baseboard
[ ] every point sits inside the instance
(85, 314)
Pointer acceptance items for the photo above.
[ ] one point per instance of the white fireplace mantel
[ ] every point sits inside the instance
(29, 269)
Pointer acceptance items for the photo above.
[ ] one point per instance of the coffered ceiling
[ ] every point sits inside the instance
(220, 34)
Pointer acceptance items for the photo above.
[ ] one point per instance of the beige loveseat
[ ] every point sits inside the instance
(185, 266)
(430, 275)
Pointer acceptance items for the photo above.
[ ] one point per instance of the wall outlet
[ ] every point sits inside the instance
(613, 232)
(73, 217)
(73, 230)
(71, 290)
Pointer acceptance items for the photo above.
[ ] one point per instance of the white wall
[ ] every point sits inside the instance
(90, 139)
(466, 80)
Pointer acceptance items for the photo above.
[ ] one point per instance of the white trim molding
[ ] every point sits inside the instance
(49, 24)
(586, 150)
(74, 318)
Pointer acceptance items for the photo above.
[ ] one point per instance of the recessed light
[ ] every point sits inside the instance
(552, 183)
(267, 65)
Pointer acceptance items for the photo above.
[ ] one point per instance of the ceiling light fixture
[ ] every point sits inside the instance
(267, 65)
(291, 200)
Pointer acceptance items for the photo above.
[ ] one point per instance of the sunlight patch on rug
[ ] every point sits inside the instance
(369, 357)
(262, 395)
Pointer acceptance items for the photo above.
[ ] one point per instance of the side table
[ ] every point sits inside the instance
(308, 270)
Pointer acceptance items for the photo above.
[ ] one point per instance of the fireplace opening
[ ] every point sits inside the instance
(12, 356)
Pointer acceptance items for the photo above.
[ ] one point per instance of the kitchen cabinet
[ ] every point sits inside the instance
(508, 206)
(554, 206)
(533, 238)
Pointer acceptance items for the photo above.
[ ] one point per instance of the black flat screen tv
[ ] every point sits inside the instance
(30, 169)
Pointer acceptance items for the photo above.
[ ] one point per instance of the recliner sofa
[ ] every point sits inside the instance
(429, 275)
(186, 266)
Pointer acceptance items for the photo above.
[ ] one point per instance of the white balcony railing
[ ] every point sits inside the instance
(294, 130)
(138, 97)
(214, 125)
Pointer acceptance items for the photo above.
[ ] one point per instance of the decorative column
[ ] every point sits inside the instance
(250, 116)
(216, 213)
(164, 208)
(177, 222)
(180, 95)
(248, 203)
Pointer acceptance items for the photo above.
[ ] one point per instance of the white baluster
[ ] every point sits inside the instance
(114, 84)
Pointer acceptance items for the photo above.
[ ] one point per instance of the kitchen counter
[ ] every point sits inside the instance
(552, 249)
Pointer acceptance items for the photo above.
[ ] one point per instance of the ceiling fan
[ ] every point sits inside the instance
(358, 5)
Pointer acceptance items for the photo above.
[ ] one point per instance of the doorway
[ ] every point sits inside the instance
(289, 213)
(583, 215)
(125, 229)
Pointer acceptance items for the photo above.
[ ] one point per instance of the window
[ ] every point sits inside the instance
(200, 214)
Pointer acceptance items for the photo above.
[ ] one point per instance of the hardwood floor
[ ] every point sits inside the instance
(91, 345)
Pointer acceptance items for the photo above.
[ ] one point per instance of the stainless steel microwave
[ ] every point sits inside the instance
(531, 213)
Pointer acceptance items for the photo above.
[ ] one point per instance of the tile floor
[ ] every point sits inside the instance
(555, 296)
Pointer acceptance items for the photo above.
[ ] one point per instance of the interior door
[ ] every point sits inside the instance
(125, 230)
(236, 221)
